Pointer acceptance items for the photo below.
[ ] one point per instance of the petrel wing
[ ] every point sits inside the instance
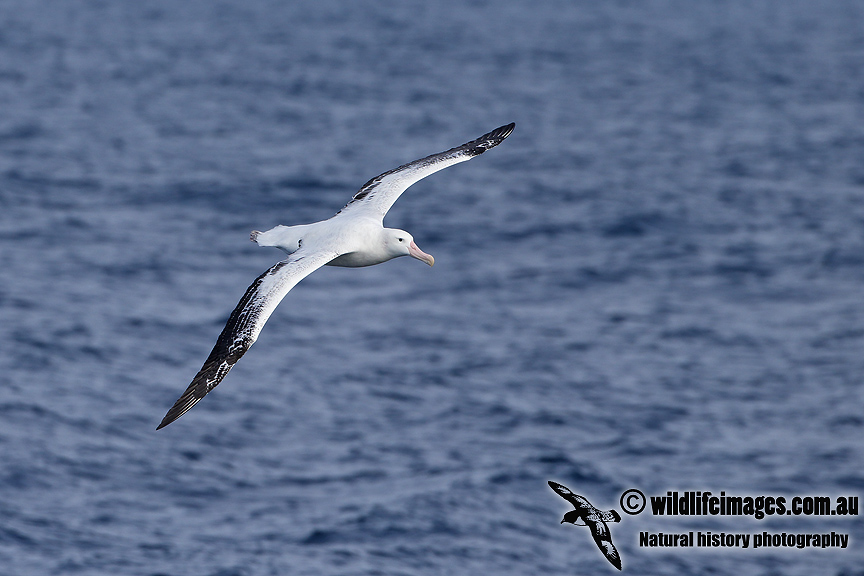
(580, 502)
(603, 538)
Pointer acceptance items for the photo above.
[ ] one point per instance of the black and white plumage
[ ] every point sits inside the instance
(593, 518)
(354, 237)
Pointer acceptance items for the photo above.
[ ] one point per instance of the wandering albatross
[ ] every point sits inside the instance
(354, 237)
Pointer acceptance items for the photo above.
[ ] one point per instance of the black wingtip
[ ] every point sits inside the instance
(168, 419)
(490, 139)
(165, 421)
(503, 131)
(190, 397)
(174, 413)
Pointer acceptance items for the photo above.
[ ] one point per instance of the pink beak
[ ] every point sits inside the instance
(415, 252)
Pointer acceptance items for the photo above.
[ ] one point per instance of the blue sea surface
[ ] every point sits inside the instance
(655, 282)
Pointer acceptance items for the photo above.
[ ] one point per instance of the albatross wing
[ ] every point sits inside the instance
(245, 323)
(379, 194)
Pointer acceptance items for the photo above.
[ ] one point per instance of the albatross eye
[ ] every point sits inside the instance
(400, 239)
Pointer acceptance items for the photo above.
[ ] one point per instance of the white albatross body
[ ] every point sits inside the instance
(354, 237)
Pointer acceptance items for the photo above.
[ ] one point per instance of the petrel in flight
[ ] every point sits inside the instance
(593, 518)
(354, 237)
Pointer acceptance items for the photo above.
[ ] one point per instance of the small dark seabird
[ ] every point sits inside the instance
(354, 237)
(593, 518)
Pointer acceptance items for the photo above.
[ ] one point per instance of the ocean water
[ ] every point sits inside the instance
(655, 282)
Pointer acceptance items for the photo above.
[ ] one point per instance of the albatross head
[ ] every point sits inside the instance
(401, 243)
